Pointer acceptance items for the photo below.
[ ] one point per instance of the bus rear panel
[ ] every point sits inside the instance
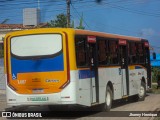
(36, 68)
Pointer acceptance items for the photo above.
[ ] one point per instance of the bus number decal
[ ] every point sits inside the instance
(22, 82)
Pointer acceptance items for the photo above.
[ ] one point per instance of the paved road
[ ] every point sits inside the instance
(151, 103)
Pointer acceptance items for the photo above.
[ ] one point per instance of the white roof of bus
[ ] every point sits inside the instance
(109, 35)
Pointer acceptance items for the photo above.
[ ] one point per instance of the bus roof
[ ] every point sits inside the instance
(109, 35)
(79, 32)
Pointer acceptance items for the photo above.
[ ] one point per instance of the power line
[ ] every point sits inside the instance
(48, 11)
(111, 5)
(133, 11)
(34, 2)
(21, 7)
(116, 27)
(79, 15)
(91, 5)
(57, 4)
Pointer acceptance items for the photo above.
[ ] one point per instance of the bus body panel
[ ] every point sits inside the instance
(136, 73)
(105, 77)
(85, 92)
(66, 96)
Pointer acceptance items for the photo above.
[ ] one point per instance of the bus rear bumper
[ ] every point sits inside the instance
(66, 96)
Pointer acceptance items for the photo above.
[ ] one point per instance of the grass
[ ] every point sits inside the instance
(157, 118)
(155, 90)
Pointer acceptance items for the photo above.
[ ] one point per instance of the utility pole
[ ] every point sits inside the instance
(68, 12)
(38, 4)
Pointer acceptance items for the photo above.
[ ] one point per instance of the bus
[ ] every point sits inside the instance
(65, 66)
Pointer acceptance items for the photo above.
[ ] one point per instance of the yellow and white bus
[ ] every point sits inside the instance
(64, 66)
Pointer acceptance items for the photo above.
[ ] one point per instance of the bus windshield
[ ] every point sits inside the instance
(36, 45)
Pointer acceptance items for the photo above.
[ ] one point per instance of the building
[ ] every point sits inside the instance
(156, 62)
(6, 28)
(31, 16)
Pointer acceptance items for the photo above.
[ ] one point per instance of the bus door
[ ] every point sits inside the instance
(147, 63)
(93, 69)
(124, 67)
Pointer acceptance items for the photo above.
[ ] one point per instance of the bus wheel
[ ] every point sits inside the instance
(108, 99)
(142, 92)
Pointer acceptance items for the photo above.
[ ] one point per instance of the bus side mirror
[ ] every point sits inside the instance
(154, 56)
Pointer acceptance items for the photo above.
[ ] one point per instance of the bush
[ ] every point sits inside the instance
(155, 73)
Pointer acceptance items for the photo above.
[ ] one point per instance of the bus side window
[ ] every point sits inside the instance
(81, 52)
(146, 55)
(132, 55)
(140, 52)
(113, 52)
(129, 58)
(102, 52)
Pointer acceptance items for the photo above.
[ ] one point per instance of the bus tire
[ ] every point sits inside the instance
(108, 99)
(142, 92)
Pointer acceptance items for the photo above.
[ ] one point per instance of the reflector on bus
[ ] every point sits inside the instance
(146, 44)
(122, 42)
(91, 39)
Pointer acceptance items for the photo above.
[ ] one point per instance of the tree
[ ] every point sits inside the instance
(60, 21)
(155, 73)
(81, 23)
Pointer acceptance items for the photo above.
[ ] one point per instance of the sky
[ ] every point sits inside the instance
(139, 18)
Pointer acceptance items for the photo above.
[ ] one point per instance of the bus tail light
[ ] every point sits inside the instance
(122, 42)
(91, 39)
(146, 44)
(65, 97)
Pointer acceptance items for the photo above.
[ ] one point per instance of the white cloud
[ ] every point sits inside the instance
(147, 32)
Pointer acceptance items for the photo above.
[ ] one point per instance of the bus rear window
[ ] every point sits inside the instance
(36, 45)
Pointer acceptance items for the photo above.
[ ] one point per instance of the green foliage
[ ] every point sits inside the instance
(60, 21)
(72, 25)
(81, 23)
(155, 90)
(155, 73)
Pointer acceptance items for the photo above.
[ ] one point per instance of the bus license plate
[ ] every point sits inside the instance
(38, 91)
